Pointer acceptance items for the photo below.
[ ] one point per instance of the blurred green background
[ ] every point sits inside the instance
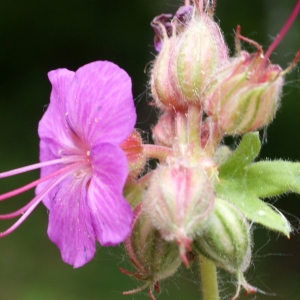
(38, 36)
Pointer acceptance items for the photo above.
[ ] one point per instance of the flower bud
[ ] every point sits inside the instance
(153, 257)
(164, 131)
(226, 241)
(188, 58)
(133, 148)
(244, 96)
(178, 202)
(161, 88)
(199, 51)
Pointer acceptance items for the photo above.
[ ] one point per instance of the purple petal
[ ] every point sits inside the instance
(111, 214)
(70, 226)
(163, 20)
(184, 14)
(100, 105)
(53, 127)
(46, 155)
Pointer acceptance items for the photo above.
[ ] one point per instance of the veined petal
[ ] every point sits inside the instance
(110, 213)
(46, 155)
(100, 106)
(70, 225)
(54, 127)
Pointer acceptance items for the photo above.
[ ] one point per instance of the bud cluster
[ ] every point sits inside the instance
(202, 94)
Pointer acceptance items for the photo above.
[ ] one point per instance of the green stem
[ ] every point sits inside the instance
(209, 279)
(181, 127)
(194, 121)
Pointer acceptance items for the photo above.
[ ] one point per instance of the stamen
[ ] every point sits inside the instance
(29, 168)
(34, 202)
(36, 182)
(63, 160)
(18, 212)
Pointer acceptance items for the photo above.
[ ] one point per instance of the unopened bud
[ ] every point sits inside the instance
(188, 58)
(178, 201)
(244, 96)
(153, 257)
(226, 241)
(161, 88)
(198, 53)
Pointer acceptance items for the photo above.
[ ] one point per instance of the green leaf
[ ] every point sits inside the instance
(272, 178)
(252, 207)
(243, 183)
(243, 155)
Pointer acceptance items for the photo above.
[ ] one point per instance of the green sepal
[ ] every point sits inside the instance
(133, 193)
(243, 183)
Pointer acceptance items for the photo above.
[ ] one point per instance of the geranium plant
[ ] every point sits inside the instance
(198, 202)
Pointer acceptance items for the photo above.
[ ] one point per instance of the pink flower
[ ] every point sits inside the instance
(83, 169)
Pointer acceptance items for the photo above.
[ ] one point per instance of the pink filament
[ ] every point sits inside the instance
(36, 200)
(63, 160)
(36, 182)
(282, 32)
(30, 168)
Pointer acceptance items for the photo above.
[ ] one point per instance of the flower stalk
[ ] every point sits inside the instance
(209, 279)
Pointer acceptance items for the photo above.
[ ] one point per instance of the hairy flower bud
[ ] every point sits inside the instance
(226, 240)
(153, 257)
(161, 88)
(133, 149)
(178, 201)
(188, 58)
(199, 51)
(244, 96)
